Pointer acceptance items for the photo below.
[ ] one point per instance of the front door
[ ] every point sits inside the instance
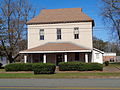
(58, 59)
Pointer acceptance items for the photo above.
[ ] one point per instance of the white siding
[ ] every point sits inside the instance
(95, 59)
(67, 29)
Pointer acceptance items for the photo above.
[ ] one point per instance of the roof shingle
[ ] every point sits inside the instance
(60, 16)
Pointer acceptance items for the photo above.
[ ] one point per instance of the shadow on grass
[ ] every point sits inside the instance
(2, 68)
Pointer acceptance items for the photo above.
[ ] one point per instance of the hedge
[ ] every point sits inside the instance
(91, 67)
(44, 68)
(69, 66)
(19, 67)
(79, 66)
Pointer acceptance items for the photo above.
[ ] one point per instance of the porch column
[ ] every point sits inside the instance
(65, 57)
(86, 57)
(92, 60)
(44, 58)
(25, 58)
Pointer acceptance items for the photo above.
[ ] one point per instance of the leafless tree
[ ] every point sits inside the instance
(99, 44)
(106, 46)
(111, 14)
(14, 14)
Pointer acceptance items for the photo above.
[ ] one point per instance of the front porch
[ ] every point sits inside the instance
(57, 52)
(56, 58)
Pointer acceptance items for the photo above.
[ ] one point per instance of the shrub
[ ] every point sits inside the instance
(79, 66)
(91, 67)
(69, 66)
(106, 63)
(44, 68)
(1, 65)
(19, 67)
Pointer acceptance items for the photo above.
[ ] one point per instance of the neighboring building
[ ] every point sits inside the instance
(108, 56)
(61, 35)
(3, 60)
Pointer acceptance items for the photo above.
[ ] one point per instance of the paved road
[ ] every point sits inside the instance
(59, 84)
(59, 89)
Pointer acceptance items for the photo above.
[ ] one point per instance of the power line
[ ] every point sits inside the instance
(80, 29)
(40, 27)
(63, 32)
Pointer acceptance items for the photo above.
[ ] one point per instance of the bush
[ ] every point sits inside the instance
(106, 63)
(79, 66)
(91, 67)
(69, 66)
(1, 65)
(44, 68)
(19, 67)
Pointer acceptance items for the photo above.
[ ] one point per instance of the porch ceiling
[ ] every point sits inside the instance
(56, 47)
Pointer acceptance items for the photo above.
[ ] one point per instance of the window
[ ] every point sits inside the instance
(76, 33)
(41, 34)
(97, 55)
(76, 56)
(58, 33)
(111, 59)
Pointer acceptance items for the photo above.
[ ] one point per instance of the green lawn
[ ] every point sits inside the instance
(113, 66)
(65, 74)
(61, 75)
(2, 70)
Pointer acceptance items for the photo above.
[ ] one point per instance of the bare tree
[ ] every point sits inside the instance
(14, 15)
(99, 44)
(106, 46)
(111, 15)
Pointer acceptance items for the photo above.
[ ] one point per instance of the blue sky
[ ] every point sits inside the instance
(89, 7)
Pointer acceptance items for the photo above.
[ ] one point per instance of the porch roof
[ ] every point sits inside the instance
(56, 47)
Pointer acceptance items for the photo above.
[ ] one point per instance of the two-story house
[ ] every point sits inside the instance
(61, 35)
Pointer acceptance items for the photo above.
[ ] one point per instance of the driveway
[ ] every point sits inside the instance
(112, 68)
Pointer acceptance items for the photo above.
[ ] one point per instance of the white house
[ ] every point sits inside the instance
(61, 35)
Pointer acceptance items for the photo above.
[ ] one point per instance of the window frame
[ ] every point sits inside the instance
(58, 32)
(42, 34)
(76, 32)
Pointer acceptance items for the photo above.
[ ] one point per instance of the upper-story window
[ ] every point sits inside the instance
(41, 34)
(58, 33)
(76, 33)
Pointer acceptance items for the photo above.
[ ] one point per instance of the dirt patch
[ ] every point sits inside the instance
(18, 72)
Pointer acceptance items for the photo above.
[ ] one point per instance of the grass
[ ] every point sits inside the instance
(61, 75)
(2, 70)
(115, 65)
(111, 65)
(64, 75)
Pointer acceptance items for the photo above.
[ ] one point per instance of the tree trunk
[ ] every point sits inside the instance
(10, 58)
